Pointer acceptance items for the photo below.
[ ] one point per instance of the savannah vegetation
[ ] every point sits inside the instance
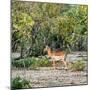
(35, 25)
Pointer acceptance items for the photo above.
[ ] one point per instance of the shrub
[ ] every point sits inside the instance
(44, 63)
(19, 83)
(27, 62)
(78, 65)
(31, 63)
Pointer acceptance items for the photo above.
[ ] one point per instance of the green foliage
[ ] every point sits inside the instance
(19, 83)
(59, 25)
(31, 63)
(23, 63)
(44, 63)
(78, 65)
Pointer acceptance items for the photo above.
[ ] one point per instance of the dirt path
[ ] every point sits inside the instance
(47, 77)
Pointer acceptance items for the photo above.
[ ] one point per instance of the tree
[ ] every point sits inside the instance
(21, 24)
(59, 25)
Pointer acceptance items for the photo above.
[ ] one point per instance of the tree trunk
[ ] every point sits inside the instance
(21, 53)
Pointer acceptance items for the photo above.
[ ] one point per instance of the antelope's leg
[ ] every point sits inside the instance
(54, 65)
(65, 64)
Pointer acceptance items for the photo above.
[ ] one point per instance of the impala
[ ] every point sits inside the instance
(56, 55)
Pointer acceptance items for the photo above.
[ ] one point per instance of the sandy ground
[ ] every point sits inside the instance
(48, 77)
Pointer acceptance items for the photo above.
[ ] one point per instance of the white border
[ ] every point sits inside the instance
(5, 45)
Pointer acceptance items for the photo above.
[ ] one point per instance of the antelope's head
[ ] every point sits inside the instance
(46, 48)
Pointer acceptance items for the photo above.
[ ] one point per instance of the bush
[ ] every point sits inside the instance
(18, 83)
(27, 62)
(44, 63)
(78, 65)
(31, 63)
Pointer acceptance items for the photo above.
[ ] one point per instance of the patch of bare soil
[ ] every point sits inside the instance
(48, 77)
